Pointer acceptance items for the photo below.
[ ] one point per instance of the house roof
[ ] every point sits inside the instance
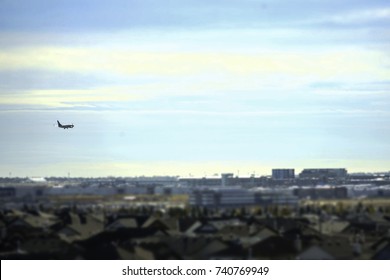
(165, 223)
(156, 251)
(234, 230)
(120, 236)
(331, 226)
(123, 223)
(338, 247)
(368, 218)
(185, 223)
(44, 245)
(381, 249)
(314, 252)
(273, 247)
(83, 228)
(212, 247)
(33, 221)
(261, 233)
(124, 254)
(283, 224)
(193, 247)
(232, 252)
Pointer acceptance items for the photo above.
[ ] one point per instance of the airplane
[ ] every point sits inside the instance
(65, 125)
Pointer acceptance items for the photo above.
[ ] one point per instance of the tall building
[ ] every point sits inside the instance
(283, 174)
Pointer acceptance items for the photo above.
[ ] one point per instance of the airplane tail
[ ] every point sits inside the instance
(59, 124)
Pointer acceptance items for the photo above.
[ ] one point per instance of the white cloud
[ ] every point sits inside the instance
(223, 70)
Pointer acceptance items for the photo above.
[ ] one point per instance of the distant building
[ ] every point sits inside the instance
(321, 192)
(195, 182)
(271, 196)
(23, 191)
(324, 173)
(283, 174)
(226, 179)
(7, 192)
(222, 197)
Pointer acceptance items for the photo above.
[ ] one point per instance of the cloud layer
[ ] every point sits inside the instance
(182, 83)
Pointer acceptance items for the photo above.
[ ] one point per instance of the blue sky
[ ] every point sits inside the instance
(193, 87)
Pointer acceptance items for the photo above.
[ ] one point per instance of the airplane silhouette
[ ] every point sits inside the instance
(65, 125)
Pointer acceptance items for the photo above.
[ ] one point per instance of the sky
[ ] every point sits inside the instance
(193, 87)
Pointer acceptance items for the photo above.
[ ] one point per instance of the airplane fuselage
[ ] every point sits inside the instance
(64, 126)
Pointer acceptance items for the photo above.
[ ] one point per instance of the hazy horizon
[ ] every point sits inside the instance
(193, 87)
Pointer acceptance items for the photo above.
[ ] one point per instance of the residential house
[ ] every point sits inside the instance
(381, 249)
(122, 223)
(82, 226)
(273, 247)
(329, 248)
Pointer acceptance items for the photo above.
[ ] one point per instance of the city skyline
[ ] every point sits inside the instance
(193, 87)
(217, 175)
